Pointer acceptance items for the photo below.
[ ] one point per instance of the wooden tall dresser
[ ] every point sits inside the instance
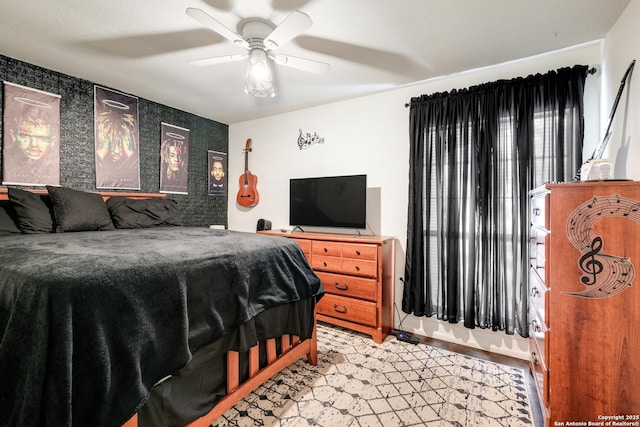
(357, 273)
(584, 316)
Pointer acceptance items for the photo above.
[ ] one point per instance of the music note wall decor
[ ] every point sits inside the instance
(306, 140)
(604, 275)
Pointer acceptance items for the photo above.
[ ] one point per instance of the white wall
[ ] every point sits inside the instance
(369, 135)
(621, 47)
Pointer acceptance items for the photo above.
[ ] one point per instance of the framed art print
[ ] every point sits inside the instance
(31, 137)
(217, 173)
(174, 159)
(117, 147)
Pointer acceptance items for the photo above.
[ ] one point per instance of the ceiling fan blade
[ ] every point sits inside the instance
(215, 25)
(217, 60)
(292, 26)
(307, 65)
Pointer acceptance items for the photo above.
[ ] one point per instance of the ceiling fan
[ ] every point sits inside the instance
(260, 40)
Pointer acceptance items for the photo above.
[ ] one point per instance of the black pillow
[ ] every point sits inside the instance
(143, 213)
(7, 219)
(76, 210)
(34, 212)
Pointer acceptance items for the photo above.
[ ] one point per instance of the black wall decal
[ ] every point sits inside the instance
(77, 156)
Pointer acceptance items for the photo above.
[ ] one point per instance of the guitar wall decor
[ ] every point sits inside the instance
(248, 193)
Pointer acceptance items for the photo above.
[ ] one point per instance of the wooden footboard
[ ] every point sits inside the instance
(291, 349)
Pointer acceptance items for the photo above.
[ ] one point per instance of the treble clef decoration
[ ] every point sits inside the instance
(604, 275)
(589, 264)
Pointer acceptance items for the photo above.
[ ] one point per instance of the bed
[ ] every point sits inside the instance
(113, 314)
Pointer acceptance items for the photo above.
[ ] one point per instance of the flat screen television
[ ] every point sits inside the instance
(332, 201)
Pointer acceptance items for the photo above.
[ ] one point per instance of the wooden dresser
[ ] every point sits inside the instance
(357, 274)
(584, 305)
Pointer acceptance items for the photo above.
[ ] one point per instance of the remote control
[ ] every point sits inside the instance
(403, 336)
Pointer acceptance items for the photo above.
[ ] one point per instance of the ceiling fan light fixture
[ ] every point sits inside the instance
(260, 38)
(259, 81)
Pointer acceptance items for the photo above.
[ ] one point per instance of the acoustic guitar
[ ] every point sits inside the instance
(248, 193)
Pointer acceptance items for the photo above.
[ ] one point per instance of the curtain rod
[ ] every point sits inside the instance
(591, 70)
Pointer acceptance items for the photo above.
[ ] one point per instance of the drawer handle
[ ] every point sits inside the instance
(325, 263)
(357, 252)
(536, 327)
(343, 310)
(344, 287)
(536, 211)
(357, 268)
(325, 250)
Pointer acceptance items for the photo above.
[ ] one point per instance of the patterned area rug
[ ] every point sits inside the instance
(359, 383)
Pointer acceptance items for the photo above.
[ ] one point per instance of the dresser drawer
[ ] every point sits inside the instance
(538, 240)
(538, 295)
(539, 254)
(305, 245)
(538, 235)
(345, 265)
(359, 267)
(359, 251)
(326, 263)
(349, 286)
(539, 207)
(540, 373)
(349, 309)
(539, 332)
(326, 248)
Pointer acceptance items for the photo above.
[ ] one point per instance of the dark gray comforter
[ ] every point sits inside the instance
(90, 321)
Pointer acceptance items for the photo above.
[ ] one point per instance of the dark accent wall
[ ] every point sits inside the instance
(77, 155)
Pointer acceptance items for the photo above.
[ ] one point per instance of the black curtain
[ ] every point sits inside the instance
(474, 156)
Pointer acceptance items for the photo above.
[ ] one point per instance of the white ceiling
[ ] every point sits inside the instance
(143, 46)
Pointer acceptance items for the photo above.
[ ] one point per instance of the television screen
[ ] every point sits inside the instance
(335, 201)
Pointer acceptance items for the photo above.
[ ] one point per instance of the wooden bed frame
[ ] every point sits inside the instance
(291, 349)
(4, 194)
